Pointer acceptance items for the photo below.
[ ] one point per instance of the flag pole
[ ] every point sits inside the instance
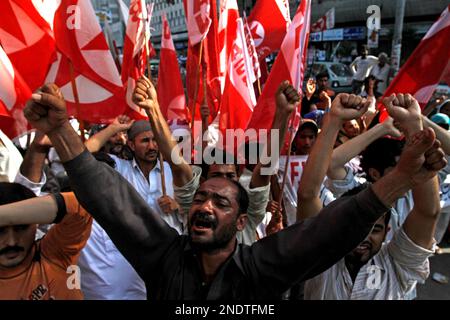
(149, 73)
(197, 78)
(283, 183)
(77, 100)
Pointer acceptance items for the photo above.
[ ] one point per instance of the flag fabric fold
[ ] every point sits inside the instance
(426, 66)
(289, 65)
(269, 20)
(170, 86)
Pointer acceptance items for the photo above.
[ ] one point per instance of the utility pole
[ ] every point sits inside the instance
(397, 39)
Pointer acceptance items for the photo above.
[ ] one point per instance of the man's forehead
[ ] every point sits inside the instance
(145, 134)
(220, 186)
(222, 167)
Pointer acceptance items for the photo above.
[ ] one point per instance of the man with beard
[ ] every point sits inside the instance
(208, 263)
(40, 269)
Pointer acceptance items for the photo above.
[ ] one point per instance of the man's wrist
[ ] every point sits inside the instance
(60, 129)
(392, 186)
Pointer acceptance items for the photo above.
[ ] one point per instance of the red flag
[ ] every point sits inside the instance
(170, 86)
(198, 19)
(239, 100)
(426, 66)
(134, 52)
(14, 93)
(25, 36)
(209, 64)
(288, 65)
(227, 34)
(269, 21)
(325, 22)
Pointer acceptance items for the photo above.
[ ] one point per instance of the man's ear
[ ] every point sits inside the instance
(374, 174)
(241, 221)
(130, 143)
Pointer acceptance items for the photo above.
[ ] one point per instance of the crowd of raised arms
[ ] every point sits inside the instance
(362, 208)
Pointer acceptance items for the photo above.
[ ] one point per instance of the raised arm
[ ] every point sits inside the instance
(145, 96)
(350, 149)
(139, 233)
(42, 210)
(31, 173)
(344, 107)
(421, 221)
(441, 134)
(98, 140)
(311, 247)
(287, 98)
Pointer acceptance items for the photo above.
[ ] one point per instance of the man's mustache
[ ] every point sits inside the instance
(12, 249)
(204, 217)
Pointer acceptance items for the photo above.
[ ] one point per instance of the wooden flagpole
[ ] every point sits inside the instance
(283, 183)
(196, 89)
(77, 100)
(197, 83)
(149, 73)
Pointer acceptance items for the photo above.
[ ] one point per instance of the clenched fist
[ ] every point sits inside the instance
(145, 95)
(46, 110)
(287, 98)
(348, 107)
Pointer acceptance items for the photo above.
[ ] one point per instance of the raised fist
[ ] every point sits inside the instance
(287, 98)
(145, 95)
(46, 110)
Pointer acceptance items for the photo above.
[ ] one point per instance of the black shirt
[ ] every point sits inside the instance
(169, 265)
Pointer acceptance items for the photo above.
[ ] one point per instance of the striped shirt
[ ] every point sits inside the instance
(390, 275)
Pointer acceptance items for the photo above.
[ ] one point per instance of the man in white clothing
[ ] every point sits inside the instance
(362, 66)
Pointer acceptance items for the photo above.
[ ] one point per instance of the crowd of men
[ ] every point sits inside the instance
(359, 222)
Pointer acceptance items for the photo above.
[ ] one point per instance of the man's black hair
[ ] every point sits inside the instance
(364, 186)
(13, 192)
(224, 157)
(242, 197)
(323, 74)
(380, 155)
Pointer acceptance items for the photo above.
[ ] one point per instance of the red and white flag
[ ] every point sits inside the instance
(324, 23)
(84, 56)
(198, 19)
(135, 52)
(227, 34)
(27, 38)
(209, 64)
(255, 70)
(14, 93)
(269, 21)
(238, 102)
(427, 65)
(170, 86)
(289, 65)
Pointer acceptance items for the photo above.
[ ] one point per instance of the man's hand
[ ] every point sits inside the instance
(422, 158)
(168, 205)
(310, 87)
(390, 129)
(41, 143)
(145, 95)
(276, 222)
(406, 111)
(287, 98)
(122, 123)
(46, 110)
(348, 107)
